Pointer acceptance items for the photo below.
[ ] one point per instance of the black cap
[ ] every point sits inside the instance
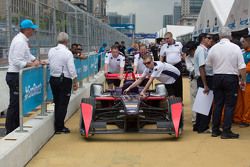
(189, 46)
(202, 35)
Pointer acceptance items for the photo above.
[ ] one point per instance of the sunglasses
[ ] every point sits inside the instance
(147, 63)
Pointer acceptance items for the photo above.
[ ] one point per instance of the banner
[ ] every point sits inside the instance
(32, 89)
(123, 26)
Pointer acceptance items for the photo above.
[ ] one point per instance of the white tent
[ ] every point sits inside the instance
(213, 15)
(239, 16)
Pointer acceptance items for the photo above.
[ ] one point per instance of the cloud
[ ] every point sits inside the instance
(149, 13)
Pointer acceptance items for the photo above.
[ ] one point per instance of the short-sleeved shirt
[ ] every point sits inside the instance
(172, 52)
(163, 72)
(114, 64)
(138, 61)
(200, 57)
(246, 56)
(226, 58)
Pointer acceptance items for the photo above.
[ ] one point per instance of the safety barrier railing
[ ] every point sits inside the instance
(34, 88)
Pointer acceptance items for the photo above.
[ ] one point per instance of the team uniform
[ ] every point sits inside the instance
(114, 65)
(200, 56)
(138, 62)
(172, 54)
(165, 73)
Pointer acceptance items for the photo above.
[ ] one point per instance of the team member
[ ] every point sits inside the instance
(63, 73)
(242, 109)
(114, 63)
(171, 53)
(204, 75)
(189, 50)
(164, 72)
(227, 60)
(19, 58)
(139, 67)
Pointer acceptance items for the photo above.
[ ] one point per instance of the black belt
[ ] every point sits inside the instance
(13, 73)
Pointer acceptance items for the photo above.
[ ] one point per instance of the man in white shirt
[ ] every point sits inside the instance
(204, 75)
(139, 67)
(163, 72)
(171, 53)
(114, 64)
(227, 62)
(62, 75)
(19, 58)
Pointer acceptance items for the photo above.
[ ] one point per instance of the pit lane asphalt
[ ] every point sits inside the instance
(145, 150)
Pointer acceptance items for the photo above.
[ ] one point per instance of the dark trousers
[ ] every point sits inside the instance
(202, 121)
(178, 83)
(12, 118)
(61, 91)
(225, 93)
(171, 89)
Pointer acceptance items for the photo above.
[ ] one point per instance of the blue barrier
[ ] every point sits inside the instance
(32, 89)
(85, 68)
(34, 81)
(79, 69)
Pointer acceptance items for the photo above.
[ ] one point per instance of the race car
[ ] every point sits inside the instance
(112, 112)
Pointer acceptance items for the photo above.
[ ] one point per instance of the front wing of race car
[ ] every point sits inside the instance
(131, 114)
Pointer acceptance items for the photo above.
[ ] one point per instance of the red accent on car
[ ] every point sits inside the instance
(106, 98)
(87, 111)
(176, 116)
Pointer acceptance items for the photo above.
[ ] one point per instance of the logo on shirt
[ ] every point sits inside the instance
(118, 59)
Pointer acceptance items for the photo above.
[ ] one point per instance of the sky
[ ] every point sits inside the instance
(149, 13)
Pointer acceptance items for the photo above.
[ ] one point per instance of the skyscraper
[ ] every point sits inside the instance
(167, 20)
(190, 10)
(177, 13)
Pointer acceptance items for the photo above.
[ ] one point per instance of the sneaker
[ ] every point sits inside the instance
(229, 135)
(216, 133)
(244, 125)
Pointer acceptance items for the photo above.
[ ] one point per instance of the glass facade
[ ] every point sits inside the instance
(195, 6)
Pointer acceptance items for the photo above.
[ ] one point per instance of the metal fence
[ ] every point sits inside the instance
(53, 16)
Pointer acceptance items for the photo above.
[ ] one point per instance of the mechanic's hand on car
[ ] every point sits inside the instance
(143, 94)
(126, 91)
(121, 77)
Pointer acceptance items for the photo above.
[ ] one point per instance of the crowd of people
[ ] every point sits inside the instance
(214, 64)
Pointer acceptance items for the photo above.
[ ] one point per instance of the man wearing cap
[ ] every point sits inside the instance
(19, 58)
(204, 75)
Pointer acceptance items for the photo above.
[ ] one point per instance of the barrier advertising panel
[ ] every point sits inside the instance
(32, 89)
